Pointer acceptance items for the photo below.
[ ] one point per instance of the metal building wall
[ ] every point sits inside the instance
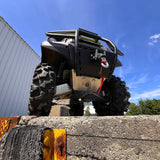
(17, 63)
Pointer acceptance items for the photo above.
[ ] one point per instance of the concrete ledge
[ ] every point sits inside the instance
(60, 108)
(120, 137)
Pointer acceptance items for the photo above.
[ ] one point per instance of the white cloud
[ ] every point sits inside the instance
(150, 94)
(142, 79)
(123, 71)
(136, 81)
(88, 104)
(120, 73)
(150, 43)
(92, 110)
(154, 39)
(156, 36)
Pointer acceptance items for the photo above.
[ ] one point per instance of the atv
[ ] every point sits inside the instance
(78, 64)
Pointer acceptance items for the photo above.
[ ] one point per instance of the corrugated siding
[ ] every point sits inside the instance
(17, 64)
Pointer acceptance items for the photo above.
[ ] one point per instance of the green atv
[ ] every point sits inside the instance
(76, 64)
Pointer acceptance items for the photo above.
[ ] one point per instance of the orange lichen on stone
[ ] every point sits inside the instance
(54, 144)
(59, 144)
(7, 123)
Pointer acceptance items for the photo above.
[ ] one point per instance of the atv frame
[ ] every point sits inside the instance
(76, 56)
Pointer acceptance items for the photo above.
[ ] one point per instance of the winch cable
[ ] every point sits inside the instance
(104, 64)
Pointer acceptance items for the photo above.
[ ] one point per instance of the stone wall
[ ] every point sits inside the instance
(110, 138)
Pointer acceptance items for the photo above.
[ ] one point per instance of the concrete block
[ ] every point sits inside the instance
(112, 137)
(59, 110)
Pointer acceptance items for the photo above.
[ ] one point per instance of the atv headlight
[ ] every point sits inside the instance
(52, 39)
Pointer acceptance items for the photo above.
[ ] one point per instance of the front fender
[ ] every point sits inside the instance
(118, 63)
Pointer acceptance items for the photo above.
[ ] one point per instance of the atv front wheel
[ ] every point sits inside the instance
(117, 96)
(42, 90)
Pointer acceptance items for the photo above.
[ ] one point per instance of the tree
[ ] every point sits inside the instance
(133, 109)
(149, 107)
(87, 111)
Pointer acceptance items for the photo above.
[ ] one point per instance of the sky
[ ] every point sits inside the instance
(133, 25)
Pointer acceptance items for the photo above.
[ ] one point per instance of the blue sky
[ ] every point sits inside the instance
(133, 25)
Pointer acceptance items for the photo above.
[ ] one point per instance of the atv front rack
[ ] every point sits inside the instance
(84, 38)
